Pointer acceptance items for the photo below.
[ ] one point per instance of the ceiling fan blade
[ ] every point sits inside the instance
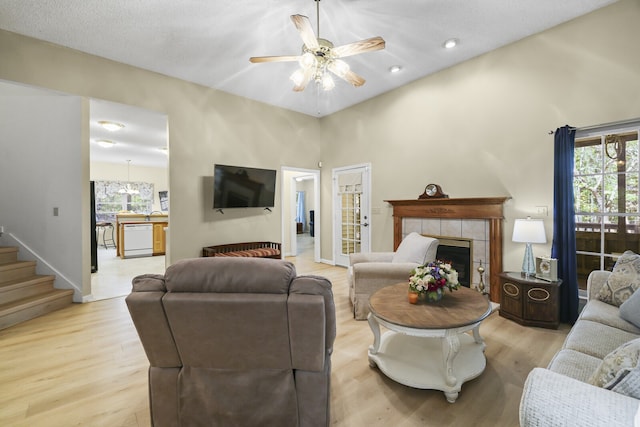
(258, 59)
(347, 75)
(306, 32)
(368, 45)
(353, 78)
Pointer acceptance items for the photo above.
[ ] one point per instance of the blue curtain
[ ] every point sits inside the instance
(300, 215)
(564, 223)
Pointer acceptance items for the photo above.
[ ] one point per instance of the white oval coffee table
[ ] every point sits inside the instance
(427, 345)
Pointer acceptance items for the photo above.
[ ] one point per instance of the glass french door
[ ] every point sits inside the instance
(351, 213)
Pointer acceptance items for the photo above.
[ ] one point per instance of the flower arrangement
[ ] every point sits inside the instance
(431, 279)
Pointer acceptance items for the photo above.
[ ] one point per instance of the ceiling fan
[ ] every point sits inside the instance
(319, 56)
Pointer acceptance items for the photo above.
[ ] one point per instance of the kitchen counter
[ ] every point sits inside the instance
(159, 221)
(141, 217)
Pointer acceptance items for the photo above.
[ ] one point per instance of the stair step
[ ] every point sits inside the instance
(8, 254)
(14, 290)
(17, 270)
(24, 294)
(34, 306)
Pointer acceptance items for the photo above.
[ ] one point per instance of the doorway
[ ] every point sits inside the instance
(352, 212)
(134, 158)
(301, 213)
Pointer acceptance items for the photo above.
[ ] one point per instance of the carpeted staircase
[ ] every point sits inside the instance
(25, 294)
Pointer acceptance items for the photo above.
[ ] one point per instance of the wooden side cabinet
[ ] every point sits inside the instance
(530, 301)
(159, 241)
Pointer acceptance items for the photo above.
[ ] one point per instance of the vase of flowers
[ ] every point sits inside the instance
(430, 280)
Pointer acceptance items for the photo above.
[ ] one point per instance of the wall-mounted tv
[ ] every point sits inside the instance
(242, 187)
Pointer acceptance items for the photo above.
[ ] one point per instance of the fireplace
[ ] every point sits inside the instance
(459, 253)
(456, 217)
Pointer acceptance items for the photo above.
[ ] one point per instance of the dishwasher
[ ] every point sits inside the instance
(138, 240)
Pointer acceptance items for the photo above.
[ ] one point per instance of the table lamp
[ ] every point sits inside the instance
(528, 231)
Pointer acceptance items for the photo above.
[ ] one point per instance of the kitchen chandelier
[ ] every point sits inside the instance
(127, 189)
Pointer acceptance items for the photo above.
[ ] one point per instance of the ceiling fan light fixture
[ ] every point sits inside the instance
(327, 82)
(340, 67)
(307, 60)
(110, 126)
(297, 77)
(319, 56)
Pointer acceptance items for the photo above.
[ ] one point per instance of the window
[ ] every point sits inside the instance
(350, 219)
(109, 200)
(606, 197)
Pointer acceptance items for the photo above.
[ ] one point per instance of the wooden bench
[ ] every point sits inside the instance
(249, 249)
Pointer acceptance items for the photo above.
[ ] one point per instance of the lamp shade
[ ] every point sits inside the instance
(529, 231)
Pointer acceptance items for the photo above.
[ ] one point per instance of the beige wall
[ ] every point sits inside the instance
(205, 126)
(477, 129)
(481, 128)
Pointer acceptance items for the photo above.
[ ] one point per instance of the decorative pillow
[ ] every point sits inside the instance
(623, 281)
(413, 248)
(616, 365)
(628, 384)
(630, 309)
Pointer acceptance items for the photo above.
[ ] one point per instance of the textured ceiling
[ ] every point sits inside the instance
(141, 140)
(210, 42)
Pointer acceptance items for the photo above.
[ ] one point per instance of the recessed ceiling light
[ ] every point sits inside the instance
(105, 143)
(451, 43)
(110, 126)
(395, 69)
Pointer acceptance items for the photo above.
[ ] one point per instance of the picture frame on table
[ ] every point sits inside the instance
(547, 269)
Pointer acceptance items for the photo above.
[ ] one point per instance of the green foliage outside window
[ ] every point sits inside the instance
(606, 197)
(606, 183)
(110, 201)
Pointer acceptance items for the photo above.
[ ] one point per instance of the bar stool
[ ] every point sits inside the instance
(106, 226)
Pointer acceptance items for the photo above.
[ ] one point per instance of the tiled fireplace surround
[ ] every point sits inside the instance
(476, 219)
(475, 230)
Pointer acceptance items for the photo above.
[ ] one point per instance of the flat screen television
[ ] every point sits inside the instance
(242, 187)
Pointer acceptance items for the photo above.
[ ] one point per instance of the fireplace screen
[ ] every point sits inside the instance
(459, 253)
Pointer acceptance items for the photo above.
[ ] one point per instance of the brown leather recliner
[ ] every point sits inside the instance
(236, 342)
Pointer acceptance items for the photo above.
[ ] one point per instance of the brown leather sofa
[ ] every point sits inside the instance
(236, 342)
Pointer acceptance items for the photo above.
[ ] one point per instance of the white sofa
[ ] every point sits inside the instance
(563, 394)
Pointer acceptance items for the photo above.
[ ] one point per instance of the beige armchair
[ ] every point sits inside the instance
(369, 272)
(236, 342)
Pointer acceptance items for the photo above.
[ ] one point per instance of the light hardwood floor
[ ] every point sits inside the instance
(84, 366)
(113, 278)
